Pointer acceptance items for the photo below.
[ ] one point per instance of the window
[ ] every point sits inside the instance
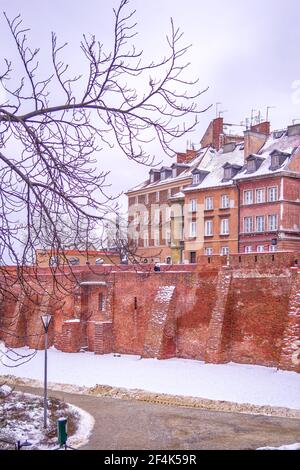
(260, 223)
(260, 195)
(193, 205)
(224, 226)
(224, 250)
(260, 248)
(224, 201)
(146, 239)
(147, 198)
(168, 236)
(193, 257)
(163, 175)
(156, 238)
(227, 173)
(209, 203)
(193, 229)
(196, 178)
(273, 222)
(152, 178)
(208, 228)
(157, 196)
(248, 249)
(146, 218)
(251, 165)
(53, 261)
(248, 196)
(157, 216)
(272, 194)
(136, 219)
(208, 251)
(272, 247)
(101, 301)
(248, 224)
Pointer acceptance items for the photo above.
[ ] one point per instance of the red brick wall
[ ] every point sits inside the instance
(247, 311)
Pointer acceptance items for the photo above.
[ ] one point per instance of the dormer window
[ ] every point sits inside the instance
(277, 159)
(228, 173)
(163, 175)
(196, 178)
(251, 166)
(152, 178)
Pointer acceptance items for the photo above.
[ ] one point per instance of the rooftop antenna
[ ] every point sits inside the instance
(252, 116)
(222, 112)
(217, 105)
(267, 114)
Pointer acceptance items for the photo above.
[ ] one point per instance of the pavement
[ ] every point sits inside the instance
(131, 424)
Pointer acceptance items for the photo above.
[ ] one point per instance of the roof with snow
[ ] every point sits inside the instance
(277, 142)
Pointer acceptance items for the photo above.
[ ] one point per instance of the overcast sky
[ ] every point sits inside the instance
(247, 52)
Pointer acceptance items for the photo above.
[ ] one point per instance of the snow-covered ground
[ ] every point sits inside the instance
(238, 383)
(295, 446)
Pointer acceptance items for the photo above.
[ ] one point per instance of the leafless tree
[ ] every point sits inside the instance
(52, 128)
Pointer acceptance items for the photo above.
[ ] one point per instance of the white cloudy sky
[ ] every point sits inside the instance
(245, 51)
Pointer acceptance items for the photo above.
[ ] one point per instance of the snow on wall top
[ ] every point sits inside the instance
(164, 293)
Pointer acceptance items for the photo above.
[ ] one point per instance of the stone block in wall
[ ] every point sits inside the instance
(290, 350)
(70, 339)
(103, 341)
(216, 325)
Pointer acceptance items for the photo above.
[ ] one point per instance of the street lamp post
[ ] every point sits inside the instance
(46, 319)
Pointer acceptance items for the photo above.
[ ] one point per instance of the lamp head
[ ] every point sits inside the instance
(46, 319)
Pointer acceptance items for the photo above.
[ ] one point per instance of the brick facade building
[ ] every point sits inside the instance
(241, 197)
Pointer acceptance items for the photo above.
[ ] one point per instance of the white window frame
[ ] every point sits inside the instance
(147, 198)
(224, 250)
(193, 205)
(224, 201)
(196, 178)
(146, 239)
(248, 249)
(272, 248)
(224, 229)
(259, 228)
(208, 228)
(273, 193)
(248, 224)
(156, 238)
(271, 225)
(157, 196)
(146, 217)
(209, 251)
(260, 248)
(209, 203)
(193, 229)
(156, 216)
(248, 197)
(261, 191)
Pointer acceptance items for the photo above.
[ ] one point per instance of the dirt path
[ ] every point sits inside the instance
(123, 424)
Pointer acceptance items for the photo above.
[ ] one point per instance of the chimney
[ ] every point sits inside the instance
(262, 128)
(186, 157)
(212, 135)
(293, 130)
(255, 138)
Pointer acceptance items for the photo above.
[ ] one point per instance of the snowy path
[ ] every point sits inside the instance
(239, 383)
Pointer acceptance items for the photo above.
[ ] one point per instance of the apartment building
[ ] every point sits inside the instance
(269, 194)
(211, 208)
(155, 210)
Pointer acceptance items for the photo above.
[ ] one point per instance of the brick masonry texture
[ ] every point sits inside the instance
(244, 309)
